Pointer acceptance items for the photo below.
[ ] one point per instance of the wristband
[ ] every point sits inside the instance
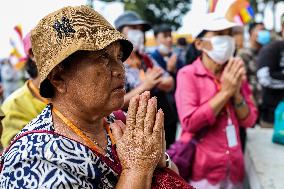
(242, 103)
(168, 161)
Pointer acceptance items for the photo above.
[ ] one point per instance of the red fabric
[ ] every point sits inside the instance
(162, 178)
(213, 158)
(119, 115)
(147, 60)
(168, 179)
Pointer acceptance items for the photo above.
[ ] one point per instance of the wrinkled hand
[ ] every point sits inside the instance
(139, 148)
(232, 76)
(153, 77)
(162, 163)
(172, 62)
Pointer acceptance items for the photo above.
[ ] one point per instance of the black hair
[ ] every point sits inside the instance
(31, 68)
(253, 25)
(161, 29)
(181, 41)
(192, 52)
(237, 30)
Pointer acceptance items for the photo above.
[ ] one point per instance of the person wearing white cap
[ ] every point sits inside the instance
(213, 98)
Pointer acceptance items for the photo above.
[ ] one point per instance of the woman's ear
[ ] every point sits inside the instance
(56, 78)
(198, 44)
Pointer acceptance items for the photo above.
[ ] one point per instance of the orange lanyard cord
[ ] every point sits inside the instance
(218, 84)
(78, 132)
(35, 91)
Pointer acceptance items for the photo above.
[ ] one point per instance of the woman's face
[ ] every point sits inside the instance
(95, 83)
(205, 44)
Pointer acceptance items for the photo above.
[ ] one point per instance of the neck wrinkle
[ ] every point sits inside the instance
(89, 124)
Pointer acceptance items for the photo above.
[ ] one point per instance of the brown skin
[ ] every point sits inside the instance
(35, 81)
(166, 39)
(1, 90)
(140, 146)
(282, 31)
(230, 75)
(253, 36)
(153, 76)
(85, 101)
(239, 40)
(79, 96)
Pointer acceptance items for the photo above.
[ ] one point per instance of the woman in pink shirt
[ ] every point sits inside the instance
(213, 93)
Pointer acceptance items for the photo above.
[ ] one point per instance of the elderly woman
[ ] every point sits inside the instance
(213, 101)
(70, 144)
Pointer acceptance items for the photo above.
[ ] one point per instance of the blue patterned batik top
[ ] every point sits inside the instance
(40, 158)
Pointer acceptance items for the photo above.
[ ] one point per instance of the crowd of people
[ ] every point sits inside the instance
(98, 110)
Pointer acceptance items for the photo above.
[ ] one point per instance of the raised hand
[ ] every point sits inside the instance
(152, 77)
(139, 147)
(232, 76)
(171, 64)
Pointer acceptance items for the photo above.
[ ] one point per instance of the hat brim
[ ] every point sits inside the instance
(212, 22)
(146, 25)
(127, 48)
(46, 89)
(220, 25)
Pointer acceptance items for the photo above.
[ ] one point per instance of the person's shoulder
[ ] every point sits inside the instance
(40, 125)
(42, 122)
(247, 51)
(16, 96)
(277, 42)
(273, 45)
(272, 50)
(22, 148)
(154, 52)
(188, 69)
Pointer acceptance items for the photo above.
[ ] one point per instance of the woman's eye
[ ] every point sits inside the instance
(104, 56)
(120, 56)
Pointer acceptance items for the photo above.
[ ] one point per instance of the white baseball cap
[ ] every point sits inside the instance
(212, 22)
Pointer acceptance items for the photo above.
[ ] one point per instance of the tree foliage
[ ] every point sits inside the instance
(159, 11)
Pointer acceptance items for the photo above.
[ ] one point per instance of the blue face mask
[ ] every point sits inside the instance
(263, 37)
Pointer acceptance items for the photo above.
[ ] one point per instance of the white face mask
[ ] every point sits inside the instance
(164, 49)
(136, 37)
(223, 48)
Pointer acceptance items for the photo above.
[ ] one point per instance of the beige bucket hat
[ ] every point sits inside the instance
(70, 29)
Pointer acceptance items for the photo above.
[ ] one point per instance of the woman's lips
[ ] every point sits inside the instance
(119, 88)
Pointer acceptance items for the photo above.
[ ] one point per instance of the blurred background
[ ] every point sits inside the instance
(178, 13)
(261, 22)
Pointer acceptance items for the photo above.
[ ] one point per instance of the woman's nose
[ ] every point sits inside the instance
(119, 71)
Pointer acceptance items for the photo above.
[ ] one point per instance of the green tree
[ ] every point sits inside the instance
(159, 11)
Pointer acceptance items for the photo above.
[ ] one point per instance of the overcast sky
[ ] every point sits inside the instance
(29, 12)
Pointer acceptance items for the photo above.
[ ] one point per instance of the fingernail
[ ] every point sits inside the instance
(150, 101)
(136, 97)
(147, 93)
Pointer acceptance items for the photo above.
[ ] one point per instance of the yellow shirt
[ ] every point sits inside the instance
(19, 109)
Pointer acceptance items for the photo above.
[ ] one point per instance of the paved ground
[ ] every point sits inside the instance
(264, 160)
